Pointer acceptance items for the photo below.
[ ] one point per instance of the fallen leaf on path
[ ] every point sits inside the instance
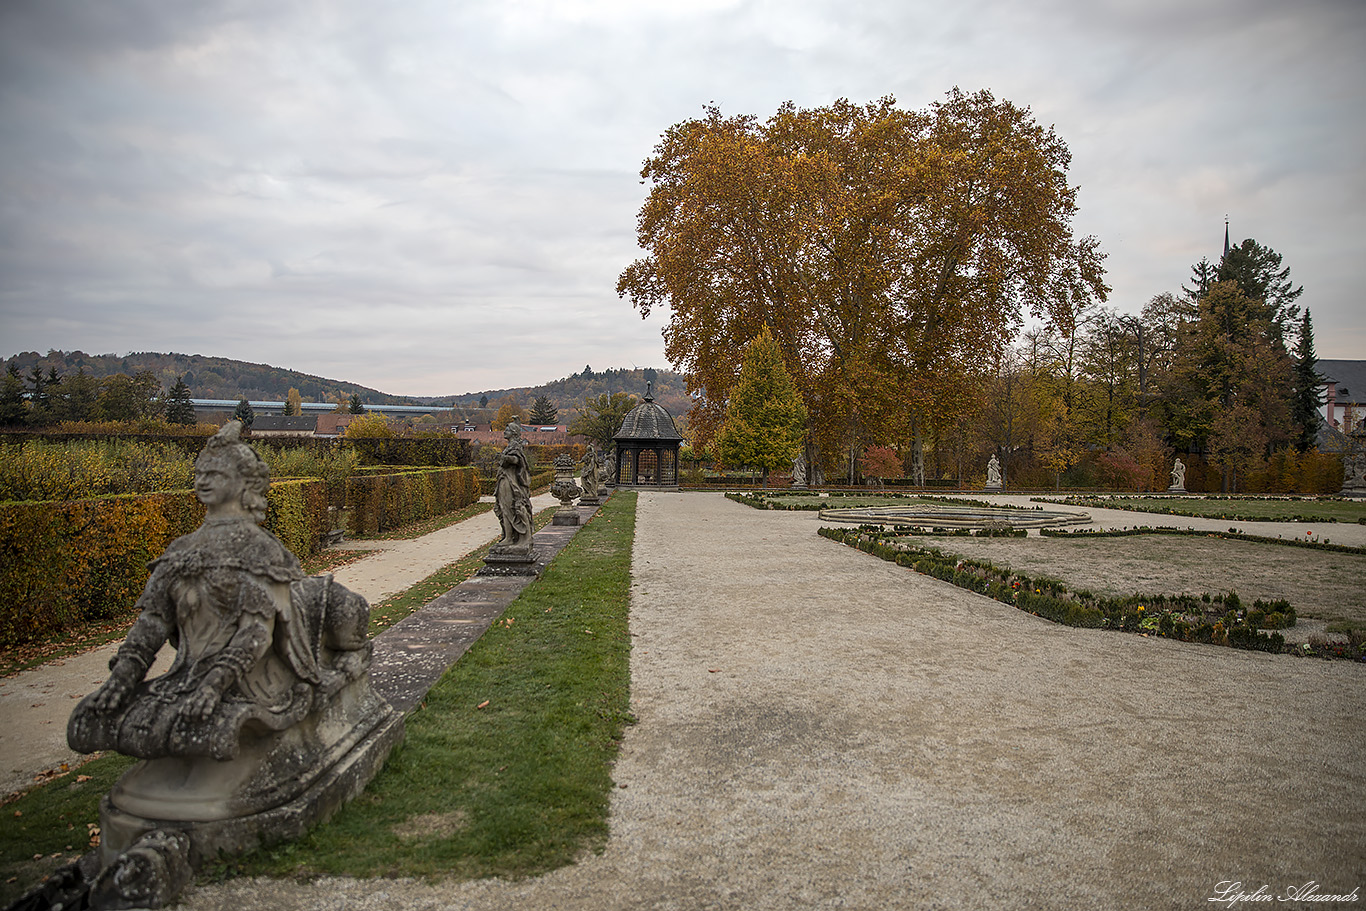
(483, 704)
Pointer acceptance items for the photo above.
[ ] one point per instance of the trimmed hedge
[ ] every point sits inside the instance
(538, 480)
(1232, 534)
(378, 503)
(66, 563)
(1219, 619)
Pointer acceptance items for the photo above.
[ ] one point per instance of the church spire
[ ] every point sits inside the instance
(1226, 237)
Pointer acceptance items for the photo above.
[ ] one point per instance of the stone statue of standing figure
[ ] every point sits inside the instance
(512, 494)
(993, 473)
(1178, 476)
(588, 475)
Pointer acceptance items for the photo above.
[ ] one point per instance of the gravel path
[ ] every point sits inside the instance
(819, 728)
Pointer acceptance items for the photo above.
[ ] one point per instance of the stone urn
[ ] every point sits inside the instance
(565, 490)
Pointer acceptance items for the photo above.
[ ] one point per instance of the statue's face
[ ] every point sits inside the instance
(214, 485)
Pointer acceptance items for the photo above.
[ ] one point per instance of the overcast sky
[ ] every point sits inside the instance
(437, 197)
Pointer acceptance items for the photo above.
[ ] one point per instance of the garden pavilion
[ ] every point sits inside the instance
(647, 447)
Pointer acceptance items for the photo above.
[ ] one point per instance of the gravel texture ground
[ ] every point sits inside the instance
(819, 728)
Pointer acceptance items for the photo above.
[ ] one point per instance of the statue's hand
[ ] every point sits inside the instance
(202, 703)
(111, 696)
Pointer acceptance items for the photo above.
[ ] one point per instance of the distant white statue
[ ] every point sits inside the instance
(799, 470)
(1178, 476)
(993, 474)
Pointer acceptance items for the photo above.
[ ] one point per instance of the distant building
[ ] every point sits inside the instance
(279, 425)
(332, 425)
(1344, 393)
(538, 434)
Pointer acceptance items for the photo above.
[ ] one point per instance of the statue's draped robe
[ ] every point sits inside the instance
(512, 495)
(226, 597)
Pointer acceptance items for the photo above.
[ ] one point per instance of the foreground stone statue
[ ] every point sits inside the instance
(266, 721)
(512, 505)
(589, 469)
(993, 474)
(799, 470)
(1178, 477)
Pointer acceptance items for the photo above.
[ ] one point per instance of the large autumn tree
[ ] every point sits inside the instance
(892, 253)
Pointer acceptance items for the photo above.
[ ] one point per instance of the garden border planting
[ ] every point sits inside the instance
(1218, 619)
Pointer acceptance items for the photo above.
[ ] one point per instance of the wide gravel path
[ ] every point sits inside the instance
(822, 729)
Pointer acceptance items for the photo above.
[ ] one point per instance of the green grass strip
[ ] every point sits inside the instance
(506, 766)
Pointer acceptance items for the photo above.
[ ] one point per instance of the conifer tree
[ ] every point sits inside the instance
(13, 409)
(244, 413)
(765, 418)
(1306, 401)
(543, 412)
(355, 406)
(179, 405)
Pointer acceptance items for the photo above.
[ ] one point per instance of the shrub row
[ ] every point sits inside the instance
(1178, 510)
(538, 480)
(426, 449)
(1232, 534)
(68, 563)
(765, 501)
(1216, 619)
(379, 503)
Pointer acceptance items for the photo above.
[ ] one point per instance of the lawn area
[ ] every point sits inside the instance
(506, 766)
(1246, 509)
(1321, 585)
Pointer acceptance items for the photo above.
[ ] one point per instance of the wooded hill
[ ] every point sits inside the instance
(207, 377)
(225, 378)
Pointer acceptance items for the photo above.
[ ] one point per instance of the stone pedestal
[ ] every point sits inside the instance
(1175, 489)
(509, 560)
(232, 807)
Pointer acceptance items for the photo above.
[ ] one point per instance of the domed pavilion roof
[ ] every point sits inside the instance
(648, 421)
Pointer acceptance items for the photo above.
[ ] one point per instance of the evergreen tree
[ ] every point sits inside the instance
(355, 406)
(13, 408)
(179, 406)
(40, 396)
(74, 397)
(1259, 275)
(765, 419)
(1307, 380)
(543, 412)
(244, 413)
(1229, 360)
(1203, 274)
(483, 401)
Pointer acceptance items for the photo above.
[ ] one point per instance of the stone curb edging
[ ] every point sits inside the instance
(413, 654)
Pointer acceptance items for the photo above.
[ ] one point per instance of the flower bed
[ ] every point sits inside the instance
(1217, 619)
